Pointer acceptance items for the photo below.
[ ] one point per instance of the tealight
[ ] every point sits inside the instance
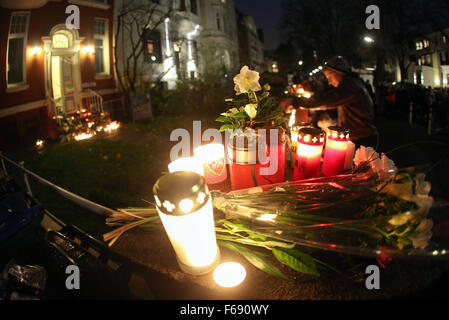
(191, 164)
(229, 274)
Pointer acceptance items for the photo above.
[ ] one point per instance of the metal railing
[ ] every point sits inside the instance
(85, 203)
(92, 101)
(51, 106)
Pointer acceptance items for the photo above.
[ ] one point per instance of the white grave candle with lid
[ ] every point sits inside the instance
(185, 207)
(192, 164)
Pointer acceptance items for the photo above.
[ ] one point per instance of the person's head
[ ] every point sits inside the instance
(335, 69)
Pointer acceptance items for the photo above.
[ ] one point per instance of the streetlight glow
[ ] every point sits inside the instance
(368, 39)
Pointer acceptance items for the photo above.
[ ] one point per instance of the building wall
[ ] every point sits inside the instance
(16, 107)
(251, 46)
(181, 30)
(202, 46)
(219, 38)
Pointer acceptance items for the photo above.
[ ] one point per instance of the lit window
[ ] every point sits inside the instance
(17, 42)
(60, 41)
(101, 42)
(152, 46)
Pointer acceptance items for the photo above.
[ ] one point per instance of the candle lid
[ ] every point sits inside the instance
(299, 125)
(338, 133)
(313, 136)
(180, 193)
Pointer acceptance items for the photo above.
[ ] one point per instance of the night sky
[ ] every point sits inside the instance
(267, 14)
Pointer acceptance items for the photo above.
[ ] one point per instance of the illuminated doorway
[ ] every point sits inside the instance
(62, 70)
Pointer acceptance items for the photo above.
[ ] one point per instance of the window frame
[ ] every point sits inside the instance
(156, 38)
(218, 21)
(194, 6)
(23, 36)
(182, 6)
(106, 54)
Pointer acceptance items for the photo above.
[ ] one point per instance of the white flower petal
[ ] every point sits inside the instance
(247, 80)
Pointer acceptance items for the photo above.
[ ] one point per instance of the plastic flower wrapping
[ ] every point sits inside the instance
(376, 209)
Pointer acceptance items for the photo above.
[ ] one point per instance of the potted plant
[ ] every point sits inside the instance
(256, 124)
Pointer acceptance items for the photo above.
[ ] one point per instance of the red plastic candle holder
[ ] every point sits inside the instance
(337, 143)
(294, 133)
(246, 163)
(308, 153)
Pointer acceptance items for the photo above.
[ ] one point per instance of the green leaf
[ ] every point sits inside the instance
(223, 119)
(241, 228)
(297, 260)
(255, 258)
(240, 115)
(226, 127)
(248, 241)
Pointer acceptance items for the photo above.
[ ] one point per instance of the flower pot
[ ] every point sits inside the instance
(254, 161)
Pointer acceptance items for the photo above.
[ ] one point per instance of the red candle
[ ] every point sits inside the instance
(337, 143)
(294, 138)
(308, 153)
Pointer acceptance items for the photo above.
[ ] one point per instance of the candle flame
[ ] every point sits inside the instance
(229, 274)
(292, 118)
(83, 136)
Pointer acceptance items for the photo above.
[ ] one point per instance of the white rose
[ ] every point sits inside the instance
(246, 80)
(384, 167)
(401, 219)
(423, 234)
(364, 154)
(422, 187)
(251, 110)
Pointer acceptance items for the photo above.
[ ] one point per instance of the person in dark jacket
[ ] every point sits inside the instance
(352, 100)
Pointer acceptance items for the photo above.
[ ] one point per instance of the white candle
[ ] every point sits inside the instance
(193, 237)
(185, 208)
(192, 164)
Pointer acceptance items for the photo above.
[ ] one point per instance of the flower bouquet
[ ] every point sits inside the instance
(375, 208)
(257, 126)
